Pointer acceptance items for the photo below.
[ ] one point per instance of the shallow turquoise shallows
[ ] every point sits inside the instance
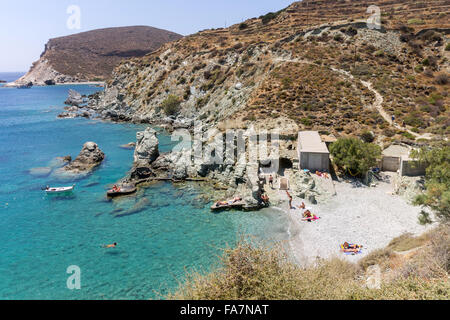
(40, 237)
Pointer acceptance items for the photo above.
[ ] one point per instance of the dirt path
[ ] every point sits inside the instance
(379, 100)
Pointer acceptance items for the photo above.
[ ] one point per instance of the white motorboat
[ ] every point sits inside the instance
(49, 190)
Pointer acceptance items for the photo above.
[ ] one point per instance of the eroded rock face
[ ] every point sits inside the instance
(89, 158)
(74, 98)
(304, 187)
(147, 150)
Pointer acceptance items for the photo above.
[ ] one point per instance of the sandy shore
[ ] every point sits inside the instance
(368, 216)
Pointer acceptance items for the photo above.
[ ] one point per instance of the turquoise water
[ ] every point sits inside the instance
(40, 236)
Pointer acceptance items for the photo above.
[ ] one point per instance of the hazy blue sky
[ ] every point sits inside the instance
(26, 25)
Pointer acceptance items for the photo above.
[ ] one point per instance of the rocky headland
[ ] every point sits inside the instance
(91, 56)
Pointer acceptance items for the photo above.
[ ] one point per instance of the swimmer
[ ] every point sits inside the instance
(109, 246)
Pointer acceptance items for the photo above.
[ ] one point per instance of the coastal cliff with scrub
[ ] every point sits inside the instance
(294, 68)
(92, 55)
(313, 66)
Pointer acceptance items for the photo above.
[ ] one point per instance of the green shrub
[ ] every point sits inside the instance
(338, 38)
(270, 16)
(408, 135)
(414, 120)
(447, 47)
(243, 26)
(171, 105)
(254, 273)
(355, 156)
(416, 21)
(307, 122)
(437, 195)
(367, 136)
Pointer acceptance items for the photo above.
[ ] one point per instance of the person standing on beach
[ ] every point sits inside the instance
(290, 199)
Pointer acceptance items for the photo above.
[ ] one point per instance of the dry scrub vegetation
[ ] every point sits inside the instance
(406, 63)
(411, 268)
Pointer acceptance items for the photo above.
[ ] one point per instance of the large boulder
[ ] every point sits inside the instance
(89, 158)
(304, 187)
(180, 161)
(147, 148)
(74, 99)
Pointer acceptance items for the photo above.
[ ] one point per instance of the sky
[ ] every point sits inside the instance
(26, 25)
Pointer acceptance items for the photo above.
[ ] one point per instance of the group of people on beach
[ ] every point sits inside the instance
(308, 216)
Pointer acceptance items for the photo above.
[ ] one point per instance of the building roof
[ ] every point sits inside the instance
(397, 151)
(310, 141)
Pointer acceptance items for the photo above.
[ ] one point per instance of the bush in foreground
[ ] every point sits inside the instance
(251, 273)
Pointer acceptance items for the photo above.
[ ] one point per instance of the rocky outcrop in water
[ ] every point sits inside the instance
(89, 158)
(75, 99)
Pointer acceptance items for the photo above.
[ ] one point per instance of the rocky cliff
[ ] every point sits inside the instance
(316, 65)
(92, 55)
(296, 67)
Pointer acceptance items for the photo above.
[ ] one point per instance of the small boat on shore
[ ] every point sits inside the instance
(60, 190)
(123, 191)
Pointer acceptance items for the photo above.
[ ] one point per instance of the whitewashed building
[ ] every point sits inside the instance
(313, 153)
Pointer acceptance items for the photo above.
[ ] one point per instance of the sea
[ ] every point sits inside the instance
(51, 248)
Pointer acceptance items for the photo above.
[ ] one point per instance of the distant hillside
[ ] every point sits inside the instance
(94, 54)
(296, 67)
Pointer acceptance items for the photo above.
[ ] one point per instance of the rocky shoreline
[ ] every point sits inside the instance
(231, 178)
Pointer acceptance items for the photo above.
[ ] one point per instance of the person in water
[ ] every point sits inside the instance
(110, 246)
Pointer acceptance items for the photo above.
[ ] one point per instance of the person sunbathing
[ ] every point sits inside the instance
(302, 206)
(351, 248)
(221, 203)
(265, 198)
(237, 199)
